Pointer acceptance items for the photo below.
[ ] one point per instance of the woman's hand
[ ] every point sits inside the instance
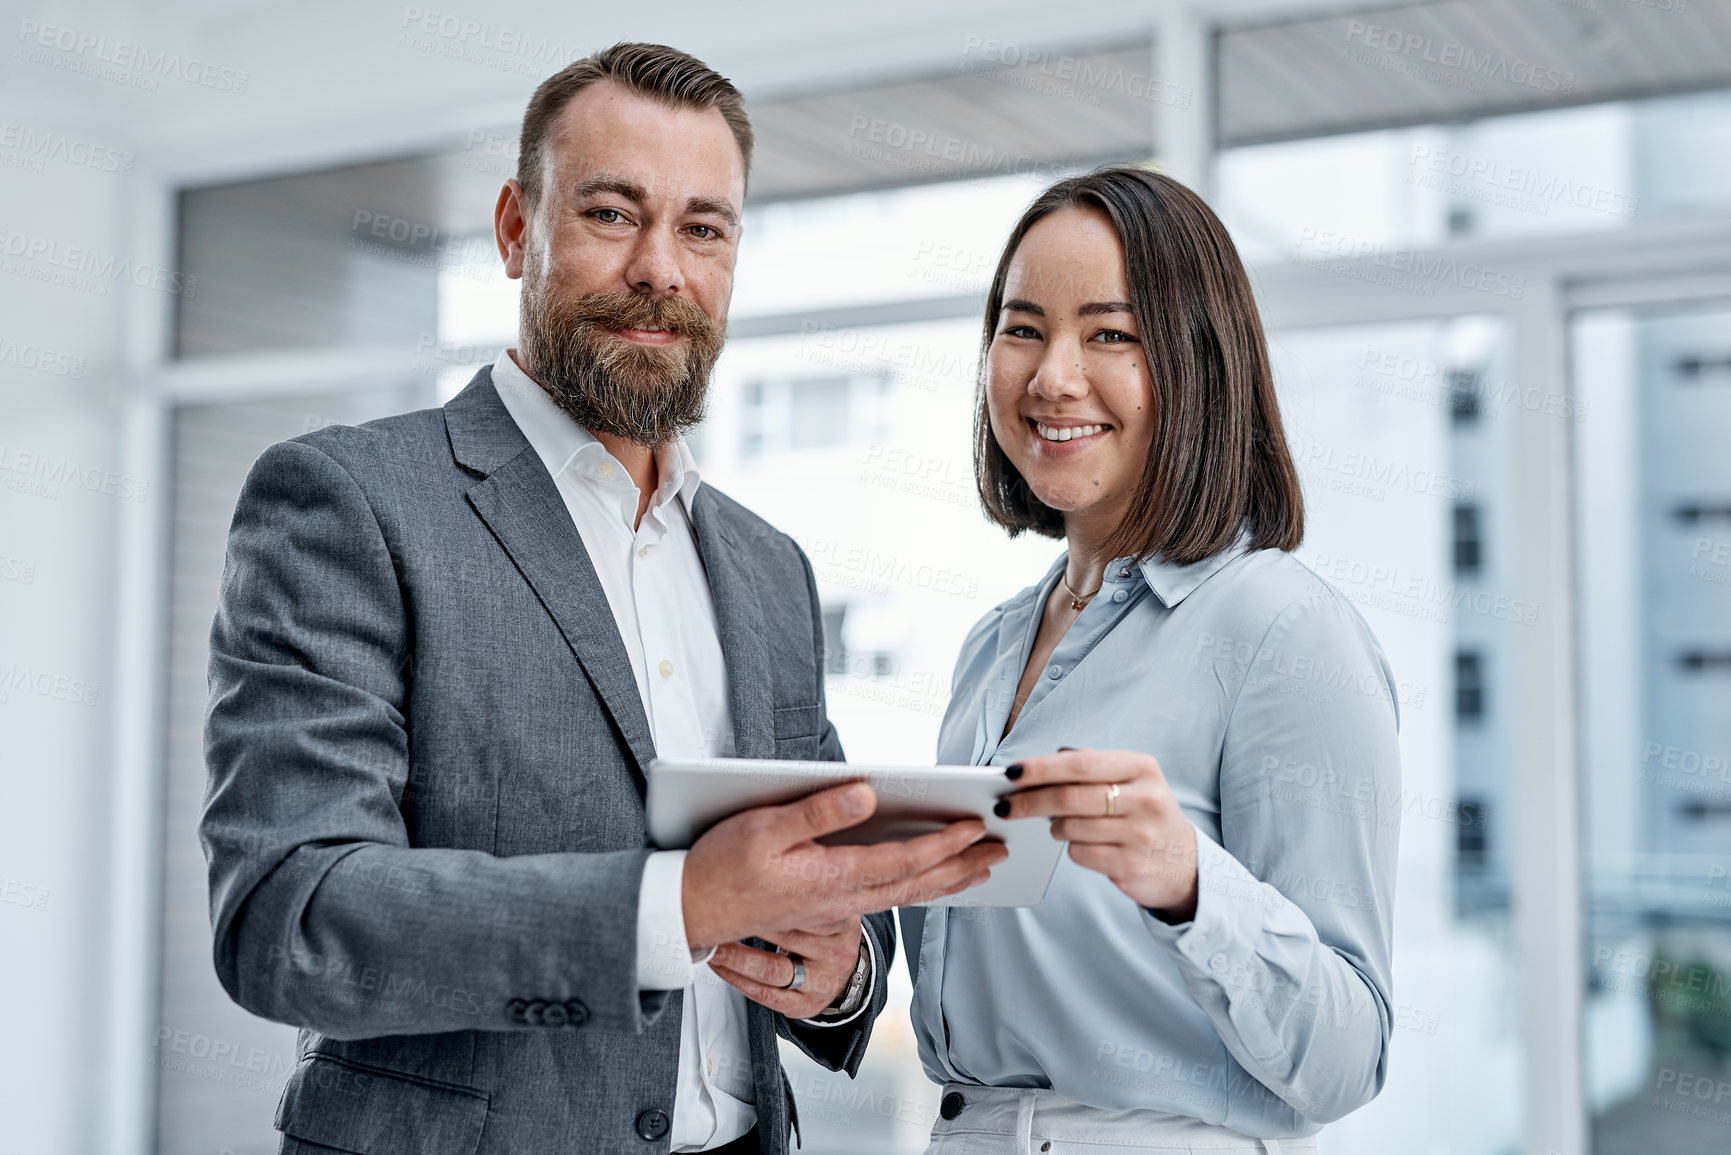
(1120, 818)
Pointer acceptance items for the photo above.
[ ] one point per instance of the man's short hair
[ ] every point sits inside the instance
(655, 71)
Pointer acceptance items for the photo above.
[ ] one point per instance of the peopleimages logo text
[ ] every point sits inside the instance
(1460, 57)
(126, 54)
(1340, 251)
(79, 259)
(483, 34)
(45, 145)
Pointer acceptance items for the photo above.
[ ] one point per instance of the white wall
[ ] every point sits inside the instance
(62, 489)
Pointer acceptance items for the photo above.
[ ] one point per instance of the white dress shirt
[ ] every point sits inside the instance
(659, 593)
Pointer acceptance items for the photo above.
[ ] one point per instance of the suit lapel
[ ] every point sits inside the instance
(522, 507)
(739, 621)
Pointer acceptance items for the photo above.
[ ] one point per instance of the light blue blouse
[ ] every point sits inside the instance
(1271, 709)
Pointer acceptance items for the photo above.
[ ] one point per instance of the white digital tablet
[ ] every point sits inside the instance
(688, 796)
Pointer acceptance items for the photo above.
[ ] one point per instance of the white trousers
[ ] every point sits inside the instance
(1014, 1121)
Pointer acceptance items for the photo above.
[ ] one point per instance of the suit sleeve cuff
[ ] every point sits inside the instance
(664, 958)
(866, 993)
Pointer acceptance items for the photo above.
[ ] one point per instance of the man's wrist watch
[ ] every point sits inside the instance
(854, 993)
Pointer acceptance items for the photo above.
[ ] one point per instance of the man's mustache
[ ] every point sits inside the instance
(615, 311)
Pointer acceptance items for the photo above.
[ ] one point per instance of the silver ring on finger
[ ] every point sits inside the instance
(1112, 800)
(798, 979)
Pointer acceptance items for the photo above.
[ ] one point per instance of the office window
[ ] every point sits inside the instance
(834, 647)
(1471, 842)
(1694, 367)
(751, 419)
(1654, 620)
(1701, 661)
(214, 447)
(817, 413)
(1463, 387)
(1469, 686)
(1468, 543)
(1696, 513)
(804, 413)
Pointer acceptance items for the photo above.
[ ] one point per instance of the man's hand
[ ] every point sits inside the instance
(762, 976)
(762, 873)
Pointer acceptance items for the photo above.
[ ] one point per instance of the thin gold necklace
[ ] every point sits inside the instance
(1077, 601)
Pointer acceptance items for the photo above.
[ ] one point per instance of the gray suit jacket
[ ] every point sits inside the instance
(425, 824)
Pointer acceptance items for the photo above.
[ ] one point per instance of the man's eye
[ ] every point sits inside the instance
(608, 216)
(702, 232)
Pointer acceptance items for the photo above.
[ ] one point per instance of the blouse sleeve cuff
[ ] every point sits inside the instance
(1231, 904)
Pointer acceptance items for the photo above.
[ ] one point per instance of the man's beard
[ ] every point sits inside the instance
(648, 394)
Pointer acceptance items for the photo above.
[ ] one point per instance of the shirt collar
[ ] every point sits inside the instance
(1170, 583)
(1173, 583)
(561, 443)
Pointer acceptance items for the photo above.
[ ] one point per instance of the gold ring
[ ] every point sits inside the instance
(1112, 800)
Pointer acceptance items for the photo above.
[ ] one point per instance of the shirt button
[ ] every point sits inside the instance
(605, 469)
(1123, 573)
(666, 668)
(1120, 595)
(1054, 671)
(643, 551)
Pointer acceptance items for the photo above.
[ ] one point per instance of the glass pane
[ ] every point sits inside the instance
(219, 1069)
(931, 241)
(1401, 436)
(818, 413)
(1568, 170)
(905, 569)
(1654, 530)
(1388, 467)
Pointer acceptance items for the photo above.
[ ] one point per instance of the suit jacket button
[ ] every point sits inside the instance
(533, 1015)
(554, 1015)
(653, 1125)
(514, 1010)
(952, 1105)
(576, 1013)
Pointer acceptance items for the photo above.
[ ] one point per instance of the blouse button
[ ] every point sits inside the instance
(1120, 595)
(1054, 671)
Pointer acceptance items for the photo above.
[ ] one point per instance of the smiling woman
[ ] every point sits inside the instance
(1174, 339)
(1182, 985)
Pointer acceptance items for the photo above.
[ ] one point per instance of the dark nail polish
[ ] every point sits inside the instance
(1002, 808)
(1013, 771)
(1065, 749)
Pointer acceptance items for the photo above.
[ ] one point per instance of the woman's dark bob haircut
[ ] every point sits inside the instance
(1219, 459)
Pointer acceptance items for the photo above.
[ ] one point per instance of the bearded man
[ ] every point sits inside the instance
(450, 643)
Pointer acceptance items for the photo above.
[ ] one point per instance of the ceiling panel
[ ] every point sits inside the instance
(999, 110)
(1460, 59)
